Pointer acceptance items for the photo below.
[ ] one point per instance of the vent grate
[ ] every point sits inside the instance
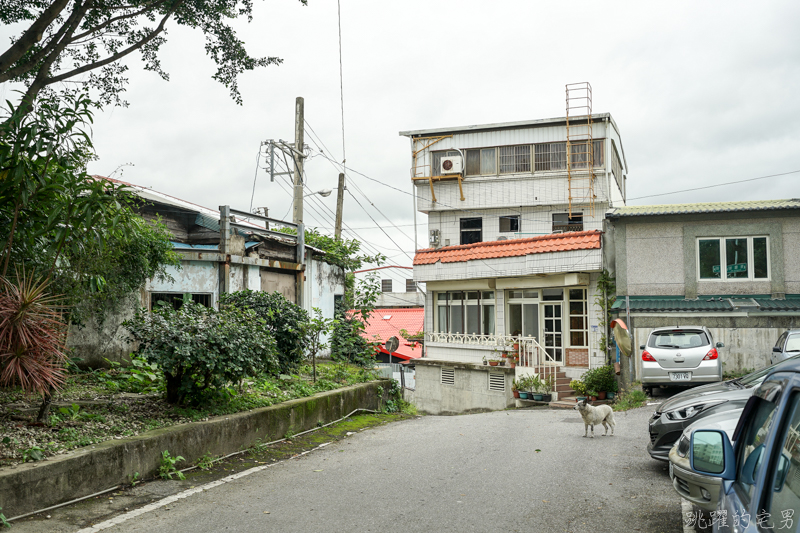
(448, 376)
(497, 382)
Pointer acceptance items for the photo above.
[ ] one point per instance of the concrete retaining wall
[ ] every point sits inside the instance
(34, 486)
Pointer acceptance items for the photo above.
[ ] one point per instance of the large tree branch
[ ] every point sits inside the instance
(118, 55)
(32, 35)
(72, 22)
(149, 7)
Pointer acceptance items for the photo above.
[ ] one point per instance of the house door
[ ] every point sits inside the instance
(524, 320)
(552, 336)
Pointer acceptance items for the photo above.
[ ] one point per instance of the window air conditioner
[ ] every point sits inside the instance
(451, 165)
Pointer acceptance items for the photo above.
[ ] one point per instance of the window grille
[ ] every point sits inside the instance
(551, 156)
(563, 222)
(471, 230)
(386, 285)
(448, 376)
(497, 382)
(411, 286)
(515, 159)
(436, 160)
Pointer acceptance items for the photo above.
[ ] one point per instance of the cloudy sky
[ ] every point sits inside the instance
(703, 93)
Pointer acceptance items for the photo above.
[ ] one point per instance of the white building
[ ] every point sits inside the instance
(398, 288)
(515, 219)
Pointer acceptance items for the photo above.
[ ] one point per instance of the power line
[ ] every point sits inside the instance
(341, 77)
(717, 185)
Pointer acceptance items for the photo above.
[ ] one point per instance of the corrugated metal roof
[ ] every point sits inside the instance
(560, 242)
(596, 117)
(706, 207)
(709, 304)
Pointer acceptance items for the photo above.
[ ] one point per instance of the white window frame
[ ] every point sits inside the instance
(482, 302)
(723, 259)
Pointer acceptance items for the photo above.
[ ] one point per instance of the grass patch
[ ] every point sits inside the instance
(102, 405)
(630, 400)
(733, 374)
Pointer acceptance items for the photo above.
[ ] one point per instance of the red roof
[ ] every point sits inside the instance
(557, 242)
(385, 323)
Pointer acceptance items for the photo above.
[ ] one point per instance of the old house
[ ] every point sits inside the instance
(253, 256)
(731, 266)
(515, 220)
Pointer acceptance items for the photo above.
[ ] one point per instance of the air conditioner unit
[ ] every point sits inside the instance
(433, 238)
(451, 165)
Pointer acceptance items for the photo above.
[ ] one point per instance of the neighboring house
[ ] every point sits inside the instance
(515, 219)
(731, 266)
(386, 323)
(398, 288)
(252, 257)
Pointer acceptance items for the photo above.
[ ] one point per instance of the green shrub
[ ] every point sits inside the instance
(201, 350)
(579, 387)
(286, 322)
(602, 378)
(630, 400)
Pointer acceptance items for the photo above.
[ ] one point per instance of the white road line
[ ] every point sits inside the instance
(185, 494)
(686, 511)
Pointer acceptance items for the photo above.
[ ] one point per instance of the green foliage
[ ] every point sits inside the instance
(606, 296)
(315, 328)
(133, 479)
(347, 340)
(72, 412)
(201, 350)
(138, 376)
(77, 231)
(579, 387)
(733, 374)
(205, 462)
(3, 521)
(34, 453)
(167, 468)
(602, 378)
(285, 321)
(63, 41)
(630, 400)
(340, 252)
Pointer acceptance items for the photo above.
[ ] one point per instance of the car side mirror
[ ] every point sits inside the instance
(720, 345)
(711, 452)
(776, 349)
(641, 347)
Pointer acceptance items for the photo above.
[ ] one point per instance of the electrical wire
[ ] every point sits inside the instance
(341, 77)
(253, 194)
(716, 185)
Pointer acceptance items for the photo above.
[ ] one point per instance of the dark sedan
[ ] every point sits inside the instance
(671, 417)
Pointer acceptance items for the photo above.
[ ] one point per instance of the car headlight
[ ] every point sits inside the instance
(685, 413)
(683, 446)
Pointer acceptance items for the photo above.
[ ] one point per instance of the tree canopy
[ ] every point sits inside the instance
(69, 38)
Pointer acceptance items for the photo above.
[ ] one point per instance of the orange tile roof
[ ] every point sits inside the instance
(557, 242)
(385, 323)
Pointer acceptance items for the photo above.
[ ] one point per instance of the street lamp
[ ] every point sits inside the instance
(324, 193)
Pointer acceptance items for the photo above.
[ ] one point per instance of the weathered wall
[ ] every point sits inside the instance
(33, 486)
(469, 394)
(95, 342)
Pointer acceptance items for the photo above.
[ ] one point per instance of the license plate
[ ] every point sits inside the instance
(680, 376)
(671, 471)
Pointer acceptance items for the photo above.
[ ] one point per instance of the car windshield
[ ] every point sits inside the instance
(751, 380)
(677, 339)
(793, 343)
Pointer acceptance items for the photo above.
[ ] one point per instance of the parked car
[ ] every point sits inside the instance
(788, 345)
(700, 489)
(680, 356)
(760, 474)
(671, 417)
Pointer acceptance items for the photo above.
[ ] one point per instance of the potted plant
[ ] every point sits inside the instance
(592, 394)
(493, 362)
(547, 388)
(513, 361)
(580, 389)
(608, 380)
(515, 386)
(484, 361)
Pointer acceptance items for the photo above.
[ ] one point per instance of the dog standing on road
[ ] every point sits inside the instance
(592, 415)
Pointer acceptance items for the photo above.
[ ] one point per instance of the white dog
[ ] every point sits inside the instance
(595, 415)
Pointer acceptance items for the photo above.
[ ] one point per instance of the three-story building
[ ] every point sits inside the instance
(515, 221)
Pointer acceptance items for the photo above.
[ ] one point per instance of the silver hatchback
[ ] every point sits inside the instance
(680, 356)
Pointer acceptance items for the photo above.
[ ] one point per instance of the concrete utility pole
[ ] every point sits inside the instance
(297, 215)
(339, 206)
(297, 210)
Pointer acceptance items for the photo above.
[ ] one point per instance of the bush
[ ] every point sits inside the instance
(285, 321)
(602, 378)
(347, 343)
(201, 350)
(579, 387)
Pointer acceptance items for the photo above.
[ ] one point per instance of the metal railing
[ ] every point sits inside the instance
(531, 355)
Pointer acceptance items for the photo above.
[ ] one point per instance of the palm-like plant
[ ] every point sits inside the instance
(32, 336)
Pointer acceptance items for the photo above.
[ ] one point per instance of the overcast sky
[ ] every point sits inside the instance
(703, 93)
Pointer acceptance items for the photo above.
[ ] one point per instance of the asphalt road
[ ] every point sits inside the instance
(523, 470)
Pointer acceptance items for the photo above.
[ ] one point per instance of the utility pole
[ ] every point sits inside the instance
(339, 206)
(297, 210)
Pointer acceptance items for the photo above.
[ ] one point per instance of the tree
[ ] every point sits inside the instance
(69, 38)
(78, 232)
(347, 340)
